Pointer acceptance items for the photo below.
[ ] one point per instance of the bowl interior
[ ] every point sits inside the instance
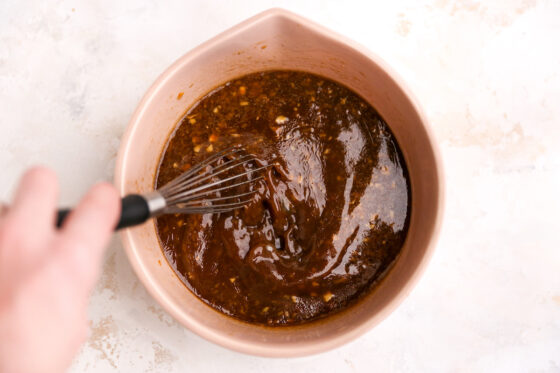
(277, 39)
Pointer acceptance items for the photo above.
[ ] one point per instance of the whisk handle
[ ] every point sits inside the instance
(134, 211)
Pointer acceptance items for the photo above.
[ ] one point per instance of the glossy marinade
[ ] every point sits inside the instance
(328, 219)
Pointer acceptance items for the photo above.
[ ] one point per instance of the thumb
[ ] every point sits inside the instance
(87, 230)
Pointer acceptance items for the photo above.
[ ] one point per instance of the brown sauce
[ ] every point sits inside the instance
(328, 219)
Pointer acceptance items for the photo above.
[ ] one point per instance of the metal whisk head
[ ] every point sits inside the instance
(221, 183)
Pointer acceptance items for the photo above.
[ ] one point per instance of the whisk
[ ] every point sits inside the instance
(211, 186)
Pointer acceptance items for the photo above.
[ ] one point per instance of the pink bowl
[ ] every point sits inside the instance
(277, 39)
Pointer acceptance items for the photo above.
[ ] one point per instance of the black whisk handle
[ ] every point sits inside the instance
(134, 211)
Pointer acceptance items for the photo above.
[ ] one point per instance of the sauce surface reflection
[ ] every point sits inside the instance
(328, 219)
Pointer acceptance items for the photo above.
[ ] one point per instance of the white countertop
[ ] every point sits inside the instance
(488, 76)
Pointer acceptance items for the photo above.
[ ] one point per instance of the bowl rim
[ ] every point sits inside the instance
(230, 341)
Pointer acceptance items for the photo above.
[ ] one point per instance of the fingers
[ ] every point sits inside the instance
(95, 217)
(87, 230)
(35, 200)
(28, 225)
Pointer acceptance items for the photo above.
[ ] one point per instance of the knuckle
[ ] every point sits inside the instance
(43, 177)
(41, 173)
(15, 234)
(104, 193)
(105, 188)
(9, 232)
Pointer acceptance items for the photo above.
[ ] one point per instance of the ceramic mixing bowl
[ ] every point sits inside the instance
(277, 39)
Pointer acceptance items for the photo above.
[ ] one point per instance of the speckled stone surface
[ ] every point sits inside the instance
(488, 76)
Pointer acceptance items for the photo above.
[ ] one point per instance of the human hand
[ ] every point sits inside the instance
(47, 274)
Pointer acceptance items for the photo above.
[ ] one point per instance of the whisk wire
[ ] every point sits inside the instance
(226, 197)
(188, 195)
(199, 190)
(218, 170)
(193, 170)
